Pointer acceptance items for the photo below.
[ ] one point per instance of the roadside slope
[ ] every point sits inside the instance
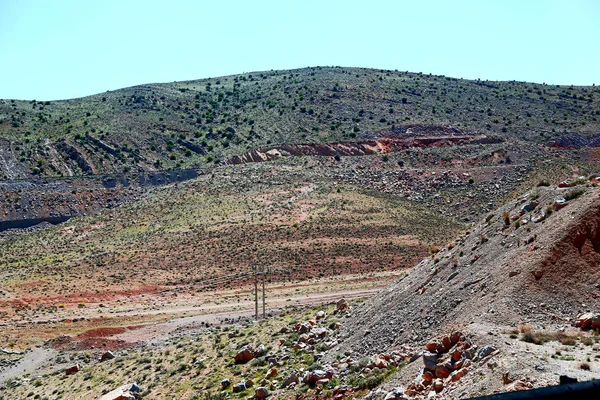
(501, 274)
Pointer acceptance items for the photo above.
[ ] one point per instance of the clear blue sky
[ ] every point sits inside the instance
(69, 48)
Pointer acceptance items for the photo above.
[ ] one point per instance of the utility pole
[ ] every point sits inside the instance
(254, 273)
(263, 287)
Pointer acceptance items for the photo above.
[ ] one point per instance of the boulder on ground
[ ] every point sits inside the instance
(109, 355)
(456, 375)
(529, 206)
(244, 355)
(260, 351)
(314, 376)
(442, 372)
(427, 376)
(485, 351)
(239, 387)
(342, 305)
(430, 360)
(304, 327)
(225, 383)
(518, 386)
(560, 203)
(588, 321)
(261, 393)
(396, 394)
(72, 370)
(292, 379)
(129, 391)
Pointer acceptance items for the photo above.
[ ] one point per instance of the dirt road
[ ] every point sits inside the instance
(216, 314)
(38, 361)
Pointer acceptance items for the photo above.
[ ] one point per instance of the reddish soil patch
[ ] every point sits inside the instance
(94, 339)
(101, 332)
(86, 297)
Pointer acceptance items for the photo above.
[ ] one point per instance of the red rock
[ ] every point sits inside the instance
(427, 376)
(244, 355)
(456, 365)
(272, 372)
(72, 370)
(107, 356)
(559, 204)
(513, 273)
(432, 346)
(456, 355)
(456, 375)
(596, 321)
(455, 337)
(447, 343)
(381, 363)
(438, 385)
(261, 393)
(564, 184)
(342, 305)
(584, 321)
(304, 327)
(442, 372)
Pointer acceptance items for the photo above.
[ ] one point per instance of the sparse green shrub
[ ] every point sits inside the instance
(371, 381)
(573, 194)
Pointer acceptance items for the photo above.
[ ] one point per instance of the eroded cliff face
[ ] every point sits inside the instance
(384, 142)
(28, 202)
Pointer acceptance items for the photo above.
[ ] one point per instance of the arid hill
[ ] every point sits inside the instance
(530, 265)
(205, 122)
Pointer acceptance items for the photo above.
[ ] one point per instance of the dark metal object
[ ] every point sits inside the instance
(572, 391)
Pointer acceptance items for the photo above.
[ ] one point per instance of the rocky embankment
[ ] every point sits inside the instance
(27, 203)
(532, 261)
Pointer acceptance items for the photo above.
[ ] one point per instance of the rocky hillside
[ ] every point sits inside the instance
(208, 121)
(532, 263)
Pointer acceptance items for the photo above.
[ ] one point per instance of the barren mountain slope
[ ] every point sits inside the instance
(530, 267)
(543, 272)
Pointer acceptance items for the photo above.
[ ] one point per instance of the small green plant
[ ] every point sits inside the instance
(587, 341)
(573, 194)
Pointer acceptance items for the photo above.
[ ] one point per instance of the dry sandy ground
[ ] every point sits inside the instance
(154, 326)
